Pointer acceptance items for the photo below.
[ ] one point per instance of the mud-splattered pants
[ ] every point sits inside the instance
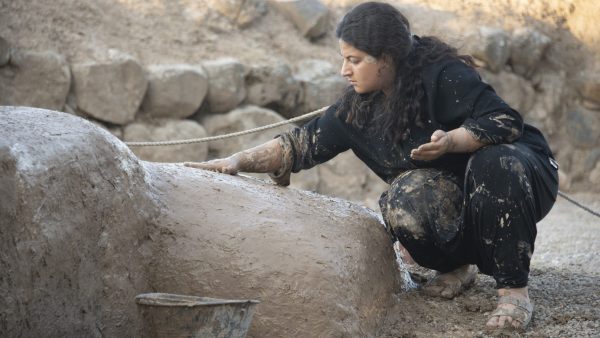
(488, 220)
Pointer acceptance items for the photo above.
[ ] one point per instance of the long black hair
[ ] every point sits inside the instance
(379, 29)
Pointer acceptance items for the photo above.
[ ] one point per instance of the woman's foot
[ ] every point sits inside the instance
(514, 310)
(451, 284)
(404, 254)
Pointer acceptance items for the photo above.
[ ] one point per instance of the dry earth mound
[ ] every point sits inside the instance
(85, 226)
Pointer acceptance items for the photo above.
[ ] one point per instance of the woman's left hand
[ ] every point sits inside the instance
(439, 145)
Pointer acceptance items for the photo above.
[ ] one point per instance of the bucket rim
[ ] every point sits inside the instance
(175, 300)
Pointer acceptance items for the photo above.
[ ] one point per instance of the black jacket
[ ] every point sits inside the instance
(455, 96)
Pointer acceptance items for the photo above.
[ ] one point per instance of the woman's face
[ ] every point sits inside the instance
(365, 73)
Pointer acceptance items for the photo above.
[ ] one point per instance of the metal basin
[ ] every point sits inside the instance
(170, 315)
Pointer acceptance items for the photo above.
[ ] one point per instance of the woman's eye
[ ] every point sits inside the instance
(353, 61)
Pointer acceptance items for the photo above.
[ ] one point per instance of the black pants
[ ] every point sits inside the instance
(488, 220)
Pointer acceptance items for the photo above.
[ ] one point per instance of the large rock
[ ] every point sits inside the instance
(348, 177)
(595, 177)
(274, 87)
(322, 92)
(167, 130)
(174, 91)
(322, 85)
(306, 180)
(241, 119)
(343, 3)
(583, 127)
(240, 12)
(592, 159)
(110, 91)
(86, 227)
(116, 131)
(312, 69)
(589, 84)
(344, 176)
(513, 89)
(74, 214)
(550, 101)
(374, 187)
(4, 52)
(551, 92)
(226, 89)
(309, 16)
(35, 79)
(492, 45)
(582, 163)
(527, 49)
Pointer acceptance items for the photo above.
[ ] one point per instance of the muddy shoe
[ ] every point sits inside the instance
(520, 314)
(451, 284)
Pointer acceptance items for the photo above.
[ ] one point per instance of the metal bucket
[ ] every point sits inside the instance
(170, 315)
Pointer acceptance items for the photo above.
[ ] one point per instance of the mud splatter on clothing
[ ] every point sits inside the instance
(422, 209)
(478, 208)
(492, 226)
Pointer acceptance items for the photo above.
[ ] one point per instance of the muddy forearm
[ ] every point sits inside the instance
(265, 158)
(461, 141)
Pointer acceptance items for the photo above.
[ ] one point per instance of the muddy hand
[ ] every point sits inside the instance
(223, 165)
(439, 145)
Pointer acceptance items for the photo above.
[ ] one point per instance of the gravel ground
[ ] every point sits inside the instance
(564, 286)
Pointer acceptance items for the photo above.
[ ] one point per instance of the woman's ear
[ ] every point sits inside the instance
(386, 61)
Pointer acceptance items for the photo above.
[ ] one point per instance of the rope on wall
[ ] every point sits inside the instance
(225, 136)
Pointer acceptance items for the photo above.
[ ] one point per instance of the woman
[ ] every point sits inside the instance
(468, 180)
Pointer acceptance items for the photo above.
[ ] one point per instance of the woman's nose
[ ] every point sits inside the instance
(346, 71)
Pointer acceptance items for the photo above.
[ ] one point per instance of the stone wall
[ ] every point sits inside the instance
(152, 102)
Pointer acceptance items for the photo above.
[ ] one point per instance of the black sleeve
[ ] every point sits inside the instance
(463, 99)
(316, 142)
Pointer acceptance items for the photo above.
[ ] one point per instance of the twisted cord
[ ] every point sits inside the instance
(275, 125)
(568, 198)
(225, 136)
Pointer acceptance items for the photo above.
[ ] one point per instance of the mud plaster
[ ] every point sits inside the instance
(320, 266)
(74, 247)
(298, 253)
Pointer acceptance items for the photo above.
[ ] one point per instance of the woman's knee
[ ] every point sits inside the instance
(417, 197)
(500, 171)
(491, 155)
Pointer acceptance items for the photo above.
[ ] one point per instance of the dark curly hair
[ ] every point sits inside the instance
(379, 29)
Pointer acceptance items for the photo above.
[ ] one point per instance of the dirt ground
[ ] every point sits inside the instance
(188, 31)
(564, 286)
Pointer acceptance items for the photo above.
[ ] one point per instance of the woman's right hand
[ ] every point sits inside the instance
(229, 165)
(265, 158)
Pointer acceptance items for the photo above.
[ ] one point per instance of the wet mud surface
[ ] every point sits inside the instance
(564, 286)
(319, 266)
